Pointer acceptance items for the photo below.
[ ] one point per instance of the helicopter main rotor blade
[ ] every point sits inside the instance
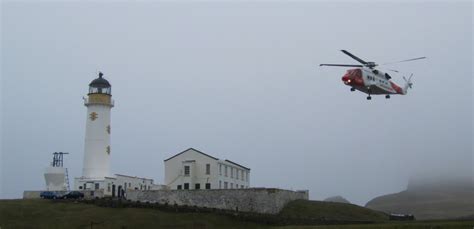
(418, 58)
(342, 65)
(354, 57)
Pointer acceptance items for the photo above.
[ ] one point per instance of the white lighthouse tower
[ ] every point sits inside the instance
(97, 140)
(96, 179)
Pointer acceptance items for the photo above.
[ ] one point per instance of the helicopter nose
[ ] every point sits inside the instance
(346, 79)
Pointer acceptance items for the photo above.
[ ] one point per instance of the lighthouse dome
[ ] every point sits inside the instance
(100, 82)
(100, 86)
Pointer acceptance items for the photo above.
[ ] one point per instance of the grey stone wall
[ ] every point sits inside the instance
(260, 200)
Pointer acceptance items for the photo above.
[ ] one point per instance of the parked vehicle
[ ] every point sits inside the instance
(50, 195)
(73, 195)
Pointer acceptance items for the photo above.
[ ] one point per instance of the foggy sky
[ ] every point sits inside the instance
(240, 81)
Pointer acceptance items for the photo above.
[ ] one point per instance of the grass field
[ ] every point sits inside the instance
(397, 225)
(331, 211)
(59, 214)
(49, 214)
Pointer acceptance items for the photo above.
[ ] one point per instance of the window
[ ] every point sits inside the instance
(96, 186)
(208, 185)
(225, 170)
(231, 185)
(80, 187)
(220, 169)
(108, 187)
(186, 186)
(220, 185)
(231, 172)
(179, 187)
(225, 184)
(237, 174)
(197, 186)
(208, 169)
(241, 186)
(186, 170)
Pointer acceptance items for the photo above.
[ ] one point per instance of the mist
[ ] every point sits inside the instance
(241, 81)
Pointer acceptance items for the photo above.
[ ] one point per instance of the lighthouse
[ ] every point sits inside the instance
(97, 150)
(97, 179)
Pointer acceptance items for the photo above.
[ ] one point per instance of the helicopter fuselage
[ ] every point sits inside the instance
(371, 81)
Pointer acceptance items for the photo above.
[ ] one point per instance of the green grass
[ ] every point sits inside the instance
(60, 214)
(397, 225)
(331, 211)
(50, 214)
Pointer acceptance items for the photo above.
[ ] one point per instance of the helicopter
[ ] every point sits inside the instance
(367, 79)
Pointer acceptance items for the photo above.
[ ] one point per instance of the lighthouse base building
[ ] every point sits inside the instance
(114, 186)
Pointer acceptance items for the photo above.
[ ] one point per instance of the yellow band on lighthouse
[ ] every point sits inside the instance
(103, 99)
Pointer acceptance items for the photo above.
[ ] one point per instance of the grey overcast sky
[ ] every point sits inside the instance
(240, 81)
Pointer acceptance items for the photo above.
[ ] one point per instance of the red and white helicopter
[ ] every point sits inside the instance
(371, 81)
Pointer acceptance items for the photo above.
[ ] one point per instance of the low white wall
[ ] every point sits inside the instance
(87, 194)
(31, 194)
(260, 200)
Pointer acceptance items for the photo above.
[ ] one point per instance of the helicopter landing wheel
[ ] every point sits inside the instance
(353, 89)
(387, 96)
(369, 98)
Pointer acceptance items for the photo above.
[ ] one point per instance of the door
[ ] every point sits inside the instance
(120, 191)
(113, 190)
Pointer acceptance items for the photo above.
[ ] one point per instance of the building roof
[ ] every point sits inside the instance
(237, 164)
(195, 151)
(121, 175)
(207, 155)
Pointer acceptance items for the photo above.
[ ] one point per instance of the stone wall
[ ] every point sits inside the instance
(260, 200)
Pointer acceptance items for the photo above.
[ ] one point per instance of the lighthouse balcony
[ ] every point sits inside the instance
(99, 99)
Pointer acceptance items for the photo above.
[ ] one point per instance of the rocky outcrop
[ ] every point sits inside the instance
(433, 200)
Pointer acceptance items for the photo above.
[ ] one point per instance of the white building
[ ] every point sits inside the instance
(55, 178)
(96, 174)
(55, 175)
(115, 186)
(193, 169)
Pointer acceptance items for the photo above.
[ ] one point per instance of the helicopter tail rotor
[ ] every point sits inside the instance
(408, 84)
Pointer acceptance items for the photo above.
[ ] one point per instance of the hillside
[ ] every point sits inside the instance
(331, 211)
(51, 214)
(429, 201)
(68, 214)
